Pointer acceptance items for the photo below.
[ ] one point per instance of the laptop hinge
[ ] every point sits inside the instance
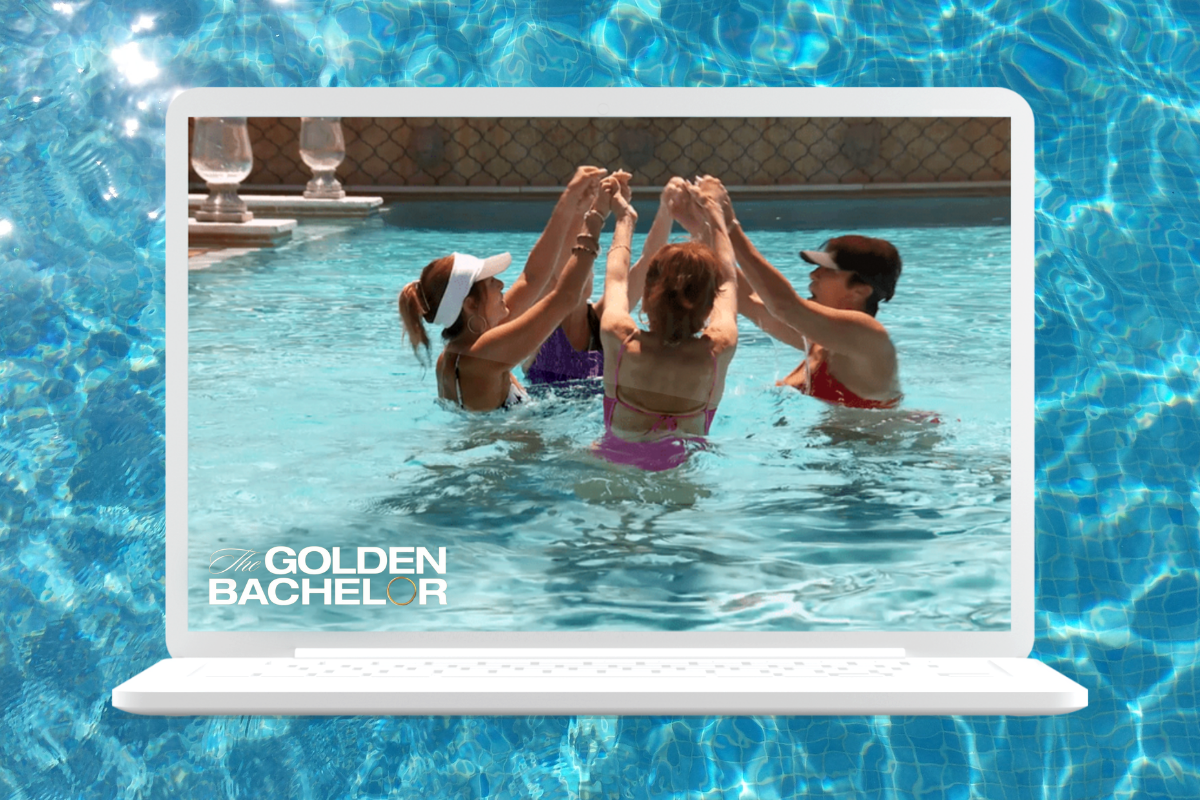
(597, 652)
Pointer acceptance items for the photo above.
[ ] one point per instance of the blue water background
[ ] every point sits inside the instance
(1113, 89)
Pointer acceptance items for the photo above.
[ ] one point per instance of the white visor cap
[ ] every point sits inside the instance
(821, 259)
(468, 270)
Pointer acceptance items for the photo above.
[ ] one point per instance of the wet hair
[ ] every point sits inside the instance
(871, 262)
(681, 285)
(419, 301)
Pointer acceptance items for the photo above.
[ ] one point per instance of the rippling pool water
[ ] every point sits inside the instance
(312, 423)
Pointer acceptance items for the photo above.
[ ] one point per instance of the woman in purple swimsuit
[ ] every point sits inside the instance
(574, 352)
(662, 385)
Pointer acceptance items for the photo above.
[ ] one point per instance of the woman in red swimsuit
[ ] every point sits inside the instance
(662, 385)
(851, 360)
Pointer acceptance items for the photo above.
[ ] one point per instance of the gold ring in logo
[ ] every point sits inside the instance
(401, 578)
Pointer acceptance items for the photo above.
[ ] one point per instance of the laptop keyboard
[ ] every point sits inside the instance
(753, 668)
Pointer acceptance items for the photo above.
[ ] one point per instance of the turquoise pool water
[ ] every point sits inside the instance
(1113, 90)
(311, 423)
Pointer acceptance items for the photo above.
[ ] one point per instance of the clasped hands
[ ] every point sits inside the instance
(701, 206)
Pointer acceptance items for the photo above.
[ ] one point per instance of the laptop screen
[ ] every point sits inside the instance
(341, 477)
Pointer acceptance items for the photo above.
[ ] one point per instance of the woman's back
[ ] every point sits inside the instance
(662, 385)
(463, 376)
(660, 389)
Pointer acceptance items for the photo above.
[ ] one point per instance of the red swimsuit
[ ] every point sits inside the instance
(822, 385)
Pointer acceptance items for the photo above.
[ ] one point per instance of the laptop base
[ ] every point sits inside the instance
(233, 686)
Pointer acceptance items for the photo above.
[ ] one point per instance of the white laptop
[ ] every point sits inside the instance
(340, 542)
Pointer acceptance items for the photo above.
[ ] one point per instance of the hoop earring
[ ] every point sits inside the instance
(472, 330)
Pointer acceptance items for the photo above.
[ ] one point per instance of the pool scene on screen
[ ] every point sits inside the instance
(312, 424)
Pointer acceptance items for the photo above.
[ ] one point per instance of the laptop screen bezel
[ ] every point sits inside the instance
(622, 103)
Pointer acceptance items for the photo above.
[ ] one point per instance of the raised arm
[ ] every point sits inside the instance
(543, 264)
(722, 325)
(515, 339)
(575, 324)
(656, 239)
(615, 322)
(854, 333)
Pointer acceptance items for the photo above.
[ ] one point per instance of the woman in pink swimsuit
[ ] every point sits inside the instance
(662, 385)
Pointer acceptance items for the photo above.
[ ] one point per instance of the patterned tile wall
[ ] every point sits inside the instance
(395, 152)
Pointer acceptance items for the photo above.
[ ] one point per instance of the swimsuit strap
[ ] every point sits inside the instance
(593, 329)
(668, 421)
(457, 384)
(620, 355)
(807, 369)
(713, 388)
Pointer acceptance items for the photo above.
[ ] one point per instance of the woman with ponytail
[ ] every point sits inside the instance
(487, 331)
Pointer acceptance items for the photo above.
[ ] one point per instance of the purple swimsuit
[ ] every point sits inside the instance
(558, 362)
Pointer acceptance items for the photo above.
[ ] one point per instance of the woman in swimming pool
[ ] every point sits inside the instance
(850, 359)
(489, 331)
(574, 351)
(662, 385)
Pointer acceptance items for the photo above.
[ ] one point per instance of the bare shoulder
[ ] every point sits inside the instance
(617, 326)
(879, 333)
(721, 343)
(857, 327)
(873, 350)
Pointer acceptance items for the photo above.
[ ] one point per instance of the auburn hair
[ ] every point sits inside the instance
(681, 286)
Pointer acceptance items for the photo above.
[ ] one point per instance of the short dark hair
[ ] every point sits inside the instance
(874, 262)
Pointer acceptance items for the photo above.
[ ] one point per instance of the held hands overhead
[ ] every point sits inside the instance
(584, 186)
(616, 186)
(714, 191)
(699, 206)
(603, 202)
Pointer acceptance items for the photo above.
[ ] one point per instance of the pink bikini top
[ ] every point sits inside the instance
(662, 422)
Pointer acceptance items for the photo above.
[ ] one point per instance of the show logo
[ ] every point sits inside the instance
(398, 562)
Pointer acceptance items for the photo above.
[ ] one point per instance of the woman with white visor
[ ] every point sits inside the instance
(487, 330)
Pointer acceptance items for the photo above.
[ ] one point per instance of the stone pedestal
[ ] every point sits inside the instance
(295, 206)
(257, 232)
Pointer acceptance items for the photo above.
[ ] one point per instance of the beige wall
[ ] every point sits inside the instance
(395, 152)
